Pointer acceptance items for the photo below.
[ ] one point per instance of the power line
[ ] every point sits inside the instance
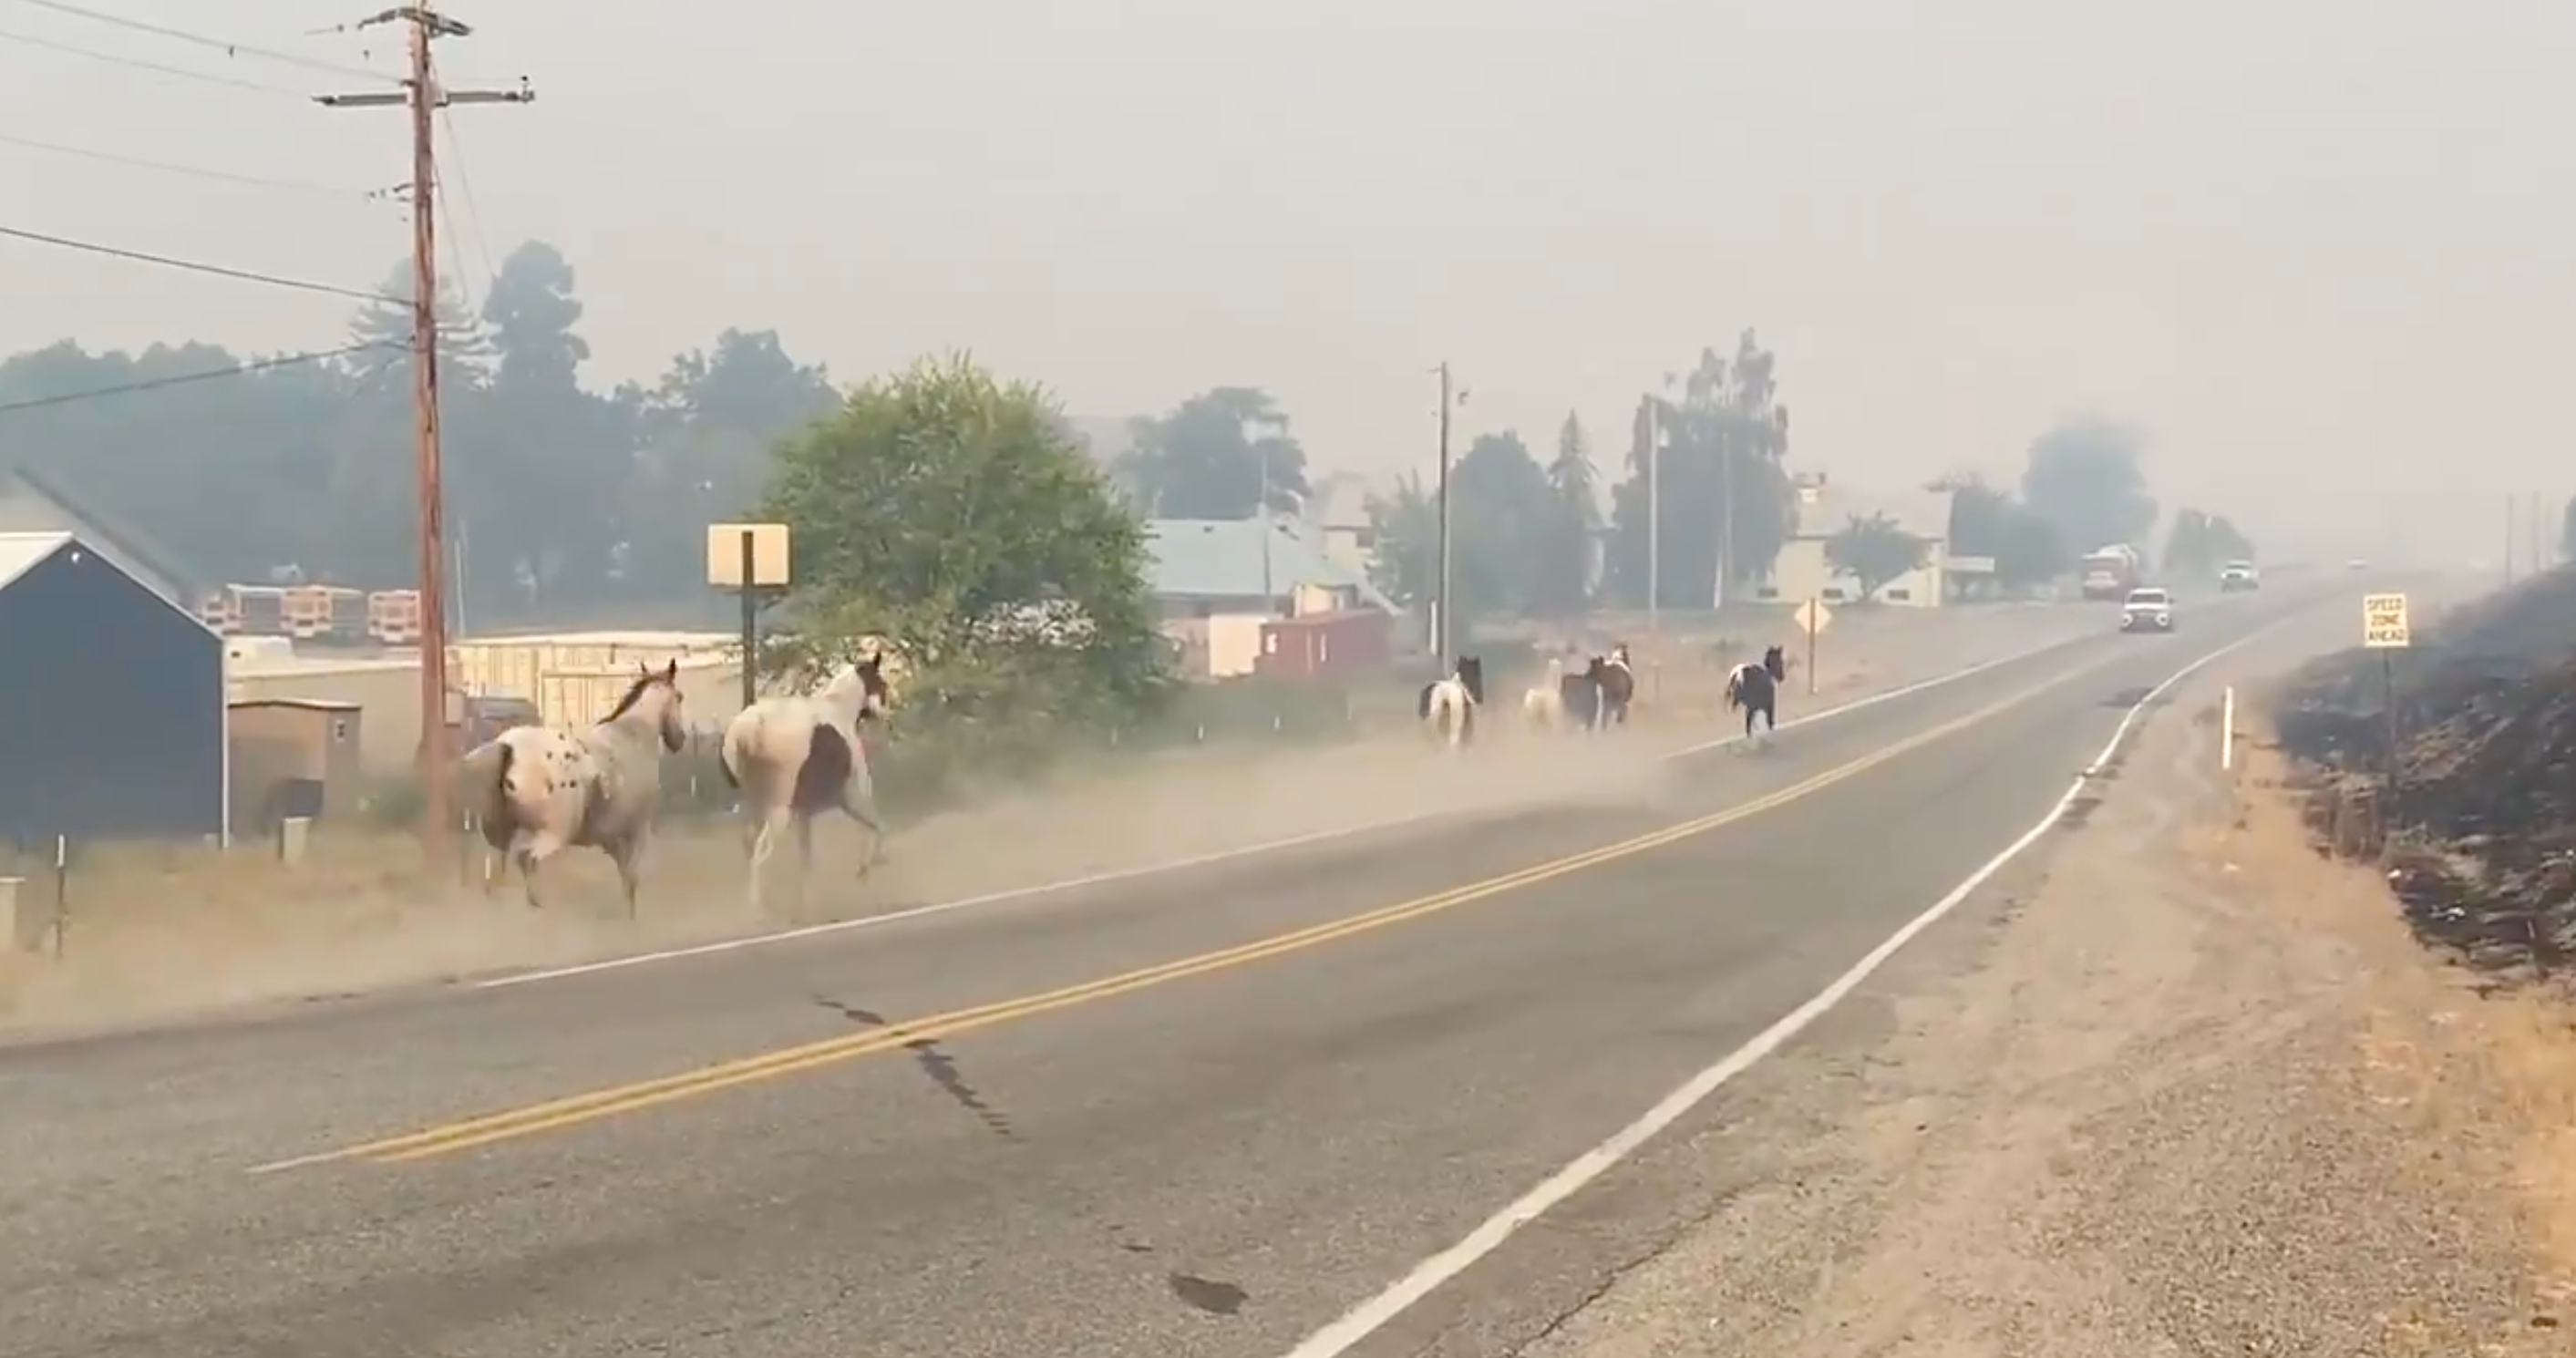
(194, 171)
(116, 59)
(183, 379)
(194, 266)
(223, 45)
(465, 182)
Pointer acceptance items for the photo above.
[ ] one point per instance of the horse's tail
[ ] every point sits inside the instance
(1422, 705)
(729, 754)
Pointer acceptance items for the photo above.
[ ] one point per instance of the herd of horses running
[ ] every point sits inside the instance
(535, 791)
(1592, 699)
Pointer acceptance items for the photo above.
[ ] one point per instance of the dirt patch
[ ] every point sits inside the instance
(2192, 1090)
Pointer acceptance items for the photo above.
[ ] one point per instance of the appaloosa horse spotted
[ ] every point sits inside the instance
(540, 790)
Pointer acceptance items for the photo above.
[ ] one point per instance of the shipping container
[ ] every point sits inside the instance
(1326, 645)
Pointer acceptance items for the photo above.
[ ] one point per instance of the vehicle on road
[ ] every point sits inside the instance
(2112, 571)
(2237, 577)
(2147, 609)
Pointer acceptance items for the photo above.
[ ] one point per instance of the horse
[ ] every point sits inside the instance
(796, 757)
(1618, 684)
(1544, 703)
(542, 789)
(1448, 706)
(1579, 696)
(1755, 687)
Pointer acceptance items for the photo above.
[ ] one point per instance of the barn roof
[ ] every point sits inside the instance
(21, 552)
(1222, 559)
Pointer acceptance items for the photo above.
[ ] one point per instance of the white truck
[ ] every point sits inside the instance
(2239, 577)
(2147, 609)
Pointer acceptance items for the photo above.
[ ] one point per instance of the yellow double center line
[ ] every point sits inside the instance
(557, 1114)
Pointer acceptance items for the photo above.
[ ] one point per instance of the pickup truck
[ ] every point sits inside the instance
(2147, 610)
(2238, 577)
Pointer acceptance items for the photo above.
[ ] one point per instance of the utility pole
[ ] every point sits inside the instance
(1655, 523)
(423, 97)
(1442, 634)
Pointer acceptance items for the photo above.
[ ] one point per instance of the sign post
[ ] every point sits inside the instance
(751, 560)
(1812, 618)
(2384, 628)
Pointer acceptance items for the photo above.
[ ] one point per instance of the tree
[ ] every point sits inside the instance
(2198, 544)
(949, 511)
(1208, 457)
(1573, 520)
(1405, 566)
(704, 434)
(2086, 480)
(1874, 551)
(1988, 522)
(1501, 508)
(530, 314)
(384, 326)
(1722, 442)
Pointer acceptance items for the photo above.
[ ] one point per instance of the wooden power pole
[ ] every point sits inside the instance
(423, 97)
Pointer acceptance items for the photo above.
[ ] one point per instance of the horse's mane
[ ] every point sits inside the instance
(634, 693)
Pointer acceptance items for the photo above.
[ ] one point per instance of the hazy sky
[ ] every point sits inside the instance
(2325, 250)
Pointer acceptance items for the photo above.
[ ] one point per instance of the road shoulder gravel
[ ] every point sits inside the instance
(2175, 1088)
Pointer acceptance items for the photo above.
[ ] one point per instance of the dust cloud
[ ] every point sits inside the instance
(157, 941)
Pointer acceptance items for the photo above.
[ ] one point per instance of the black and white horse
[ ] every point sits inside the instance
(1618, 679)
(1755, 687)
(1448, 706)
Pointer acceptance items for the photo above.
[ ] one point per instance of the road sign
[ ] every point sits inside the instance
(1813, 617)
(2383, 621)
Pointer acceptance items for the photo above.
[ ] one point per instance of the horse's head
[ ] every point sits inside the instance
(1592, 668)
(654, 698)
(864, 686)
(1776, 663)
(1619, 654)
(1471, 675)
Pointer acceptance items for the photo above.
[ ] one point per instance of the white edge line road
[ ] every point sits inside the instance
(1021, 893)
(1377, 1312)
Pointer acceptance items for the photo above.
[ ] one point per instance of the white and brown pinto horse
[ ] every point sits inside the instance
(795, 758)
(1448, 706)
(539, 790)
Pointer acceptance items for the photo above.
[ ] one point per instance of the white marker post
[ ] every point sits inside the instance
(2227, 730)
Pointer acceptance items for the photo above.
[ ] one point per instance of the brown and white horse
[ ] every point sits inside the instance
(540, 790)
(799, 756)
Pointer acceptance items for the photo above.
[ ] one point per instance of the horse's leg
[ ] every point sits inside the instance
(764, 842)
(629, 858)
(860, 804)
(804, 827)
(530, 854)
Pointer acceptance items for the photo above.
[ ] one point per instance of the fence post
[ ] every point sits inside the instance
(293, 834)
(26, 927)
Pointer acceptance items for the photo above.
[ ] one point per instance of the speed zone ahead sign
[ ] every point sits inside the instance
(2383, 621)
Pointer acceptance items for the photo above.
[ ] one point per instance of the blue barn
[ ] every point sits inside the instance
(111, 701)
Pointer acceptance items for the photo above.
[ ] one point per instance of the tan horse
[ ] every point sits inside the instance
(541, 790)
(797, 757)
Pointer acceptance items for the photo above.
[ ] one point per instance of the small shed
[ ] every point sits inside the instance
(111, 700)
(294, 757)
(1326, 645)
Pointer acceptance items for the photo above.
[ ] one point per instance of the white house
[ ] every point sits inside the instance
(1824, 510)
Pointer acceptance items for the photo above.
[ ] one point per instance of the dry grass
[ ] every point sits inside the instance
(2485, 1074)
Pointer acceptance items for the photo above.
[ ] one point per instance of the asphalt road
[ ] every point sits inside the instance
(1073, 1153)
